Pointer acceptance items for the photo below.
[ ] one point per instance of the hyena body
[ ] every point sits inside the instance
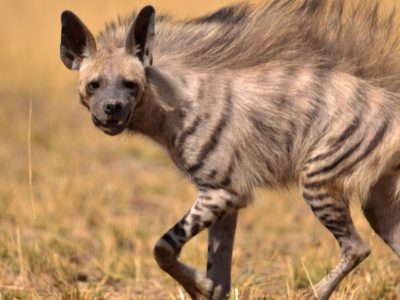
(239, 102)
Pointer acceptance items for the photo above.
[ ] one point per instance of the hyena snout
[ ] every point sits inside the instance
(111, 115)
(112, 107)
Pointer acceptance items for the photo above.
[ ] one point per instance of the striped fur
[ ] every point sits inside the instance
(292, 92)
(329, 35)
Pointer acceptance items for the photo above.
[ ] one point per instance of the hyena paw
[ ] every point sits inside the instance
(202, 287)
(219, 293)
(208, 290)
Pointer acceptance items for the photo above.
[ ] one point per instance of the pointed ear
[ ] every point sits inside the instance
(141, 35)
(77, 43)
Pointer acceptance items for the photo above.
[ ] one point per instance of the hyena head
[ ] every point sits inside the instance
(111, 79)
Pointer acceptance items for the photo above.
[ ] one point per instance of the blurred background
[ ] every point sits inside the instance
(81, 211)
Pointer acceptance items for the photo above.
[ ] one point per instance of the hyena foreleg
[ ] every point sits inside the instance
(221, 236)
(333, 212)
(211, 205)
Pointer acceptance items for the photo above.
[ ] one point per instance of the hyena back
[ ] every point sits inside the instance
(244, 98)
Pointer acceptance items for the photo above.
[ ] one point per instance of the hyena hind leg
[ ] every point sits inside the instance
(333, 212)
(383, 212)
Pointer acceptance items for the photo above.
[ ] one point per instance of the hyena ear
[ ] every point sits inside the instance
(77, 43)
(140, 38)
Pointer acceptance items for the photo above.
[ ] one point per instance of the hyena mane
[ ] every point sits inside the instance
(352, 36)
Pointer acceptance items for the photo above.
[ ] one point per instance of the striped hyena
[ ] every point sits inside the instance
(294, 91)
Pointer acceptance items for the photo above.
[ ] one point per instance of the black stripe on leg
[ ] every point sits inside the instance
(195, 229)
(170, 241)
(318, 197)
(213, 207)
(337, 232)
(335, 222)
(205, 197)
(337, 227)
(207, 224)
(195, 218)
(313, 185)
(229, 204)
(205, 187)
(198, 207)
(330, 207)
(328, 217)
(179, 231)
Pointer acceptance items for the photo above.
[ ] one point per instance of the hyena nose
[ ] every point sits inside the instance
(112, 107)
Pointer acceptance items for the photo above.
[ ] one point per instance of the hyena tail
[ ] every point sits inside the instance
(382, 210)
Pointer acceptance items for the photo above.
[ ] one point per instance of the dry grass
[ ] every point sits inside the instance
(85, 227)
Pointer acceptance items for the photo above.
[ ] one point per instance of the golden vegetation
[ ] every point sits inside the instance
(86, 226)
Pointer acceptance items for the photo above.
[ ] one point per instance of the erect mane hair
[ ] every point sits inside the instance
(354, 37)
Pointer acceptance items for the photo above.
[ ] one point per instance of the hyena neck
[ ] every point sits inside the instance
(148, 119)
(159, 114)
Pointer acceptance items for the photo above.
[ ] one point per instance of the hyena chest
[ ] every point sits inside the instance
(206, 157)
(232, 158)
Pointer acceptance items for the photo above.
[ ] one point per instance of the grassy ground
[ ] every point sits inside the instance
(85, 227)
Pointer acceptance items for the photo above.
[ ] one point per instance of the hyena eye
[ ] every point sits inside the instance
(93, 86)
(131, 86)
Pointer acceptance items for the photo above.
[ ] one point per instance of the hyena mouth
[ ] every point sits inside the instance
(111, 127)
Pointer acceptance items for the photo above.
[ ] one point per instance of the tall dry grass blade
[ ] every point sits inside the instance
(181, 294)
(20, 254)
(309, 278)
(290, 281)
(32, 196)
(235, 294)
